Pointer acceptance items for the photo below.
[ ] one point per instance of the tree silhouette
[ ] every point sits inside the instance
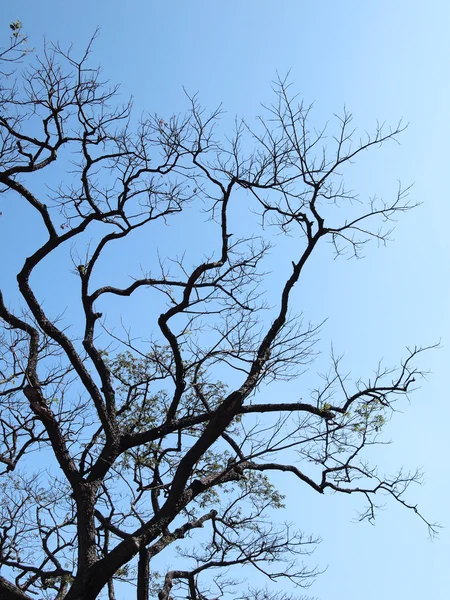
(164, 440)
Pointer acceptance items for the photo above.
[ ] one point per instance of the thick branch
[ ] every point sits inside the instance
(8, 591)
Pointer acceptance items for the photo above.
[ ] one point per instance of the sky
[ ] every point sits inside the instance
(382, 60)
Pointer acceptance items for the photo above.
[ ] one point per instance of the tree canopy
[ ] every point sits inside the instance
(118, 445)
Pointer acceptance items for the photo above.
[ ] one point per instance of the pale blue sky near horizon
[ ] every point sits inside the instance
(383, 60)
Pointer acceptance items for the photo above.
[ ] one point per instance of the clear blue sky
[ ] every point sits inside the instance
(384, 60)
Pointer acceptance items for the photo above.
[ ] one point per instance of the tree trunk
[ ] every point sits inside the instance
(87, 549)
(143, 575)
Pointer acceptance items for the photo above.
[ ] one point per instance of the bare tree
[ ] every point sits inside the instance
(117, 448)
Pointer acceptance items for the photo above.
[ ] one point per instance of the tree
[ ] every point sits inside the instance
(148, 440)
